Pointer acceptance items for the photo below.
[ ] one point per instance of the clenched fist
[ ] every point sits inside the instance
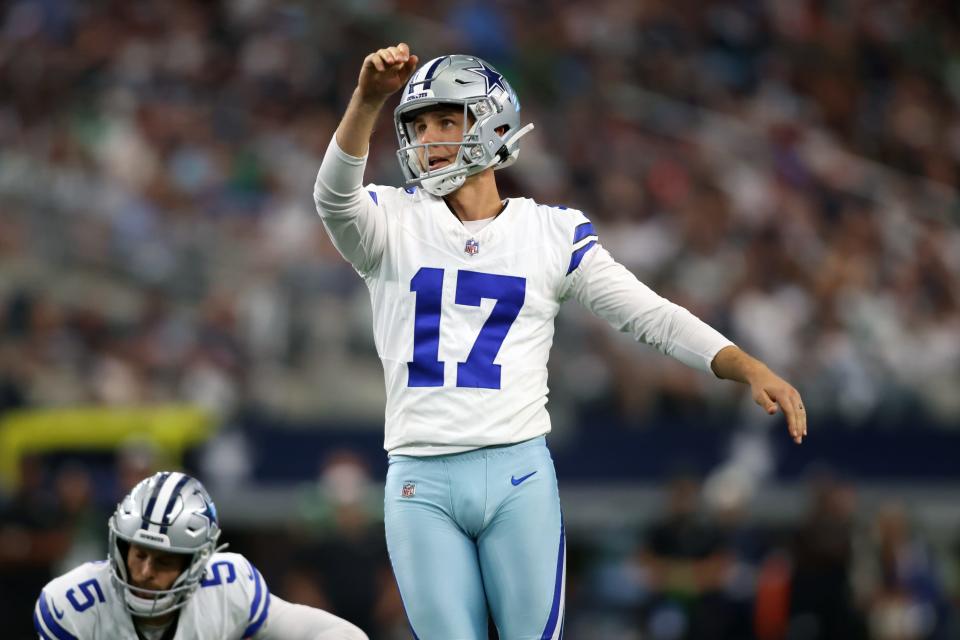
(385, 72)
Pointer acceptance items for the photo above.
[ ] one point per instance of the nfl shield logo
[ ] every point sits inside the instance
(472, 248)
(409, 489)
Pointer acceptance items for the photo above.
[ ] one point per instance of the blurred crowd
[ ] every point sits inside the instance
(700, 566)
(787, 170)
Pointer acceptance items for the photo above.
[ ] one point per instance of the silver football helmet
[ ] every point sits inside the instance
(486, 98)
(172, 512)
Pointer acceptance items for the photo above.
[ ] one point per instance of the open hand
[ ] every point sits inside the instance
(771, 391)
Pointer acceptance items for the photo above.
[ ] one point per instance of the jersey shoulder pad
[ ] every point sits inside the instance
(577, 234)
(390, 197)
(69, 605)
(242, 588)
(562, 214)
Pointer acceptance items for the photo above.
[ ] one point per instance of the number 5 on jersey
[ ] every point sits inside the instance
(478, 370)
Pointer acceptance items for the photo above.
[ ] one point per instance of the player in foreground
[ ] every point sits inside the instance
(166, 579)
(465, 287)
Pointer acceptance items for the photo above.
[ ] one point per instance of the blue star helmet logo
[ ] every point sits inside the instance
(210, 513)
(490, 77)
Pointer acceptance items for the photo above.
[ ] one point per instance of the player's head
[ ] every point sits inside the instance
(161, 536)
(488, 117)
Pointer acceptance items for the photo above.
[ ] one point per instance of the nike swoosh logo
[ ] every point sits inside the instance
(59, 614)
(516, 481)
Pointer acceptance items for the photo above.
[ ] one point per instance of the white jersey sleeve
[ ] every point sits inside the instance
(290, 621)
(610, 291)
(352, 215)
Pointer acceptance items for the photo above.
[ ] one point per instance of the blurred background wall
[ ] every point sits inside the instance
(786, 169)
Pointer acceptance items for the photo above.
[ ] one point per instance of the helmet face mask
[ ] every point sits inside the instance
(169, 512)
(491, 121)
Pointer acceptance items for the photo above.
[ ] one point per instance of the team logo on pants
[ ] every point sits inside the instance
(408, 490)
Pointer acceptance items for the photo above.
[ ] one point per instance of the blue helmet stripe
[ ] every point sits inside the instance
(153, 501)
(172, 501)
(428, 78)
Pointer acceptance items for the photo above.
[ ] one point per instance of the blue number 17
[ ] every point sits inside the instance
(478, 370)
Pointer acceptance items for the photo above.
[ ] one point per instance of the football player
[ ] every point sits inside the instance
(167, 579)
(465, 286)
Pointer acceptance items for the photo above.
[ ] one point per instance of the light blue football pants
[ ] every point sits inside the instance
(478, 532)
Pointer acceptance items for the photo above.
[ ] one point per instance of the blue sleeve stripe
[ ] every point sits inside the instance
(59, 632)
(373, 194)
(578, 256)
(582, 231)
(257, 593)
(39, 627)
(255, 626)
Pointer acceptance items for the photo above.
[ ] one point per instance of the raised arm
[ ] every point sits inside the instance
(353, 217)
(383, 73)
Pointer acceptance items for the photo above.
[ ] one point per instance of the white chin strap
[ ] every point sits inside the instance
(150, 607)
(443, 185)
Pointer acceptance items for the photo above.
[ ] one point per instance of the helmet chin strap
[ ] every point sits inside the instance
(444, 185)
(150, 607)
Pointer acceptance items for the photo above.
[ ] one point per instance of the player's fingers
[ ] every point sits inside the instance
(374, 60)
(408, 68)
(389, 55)
(399, 56)
(403, 49)
(793, 422)
(802, 413)
(795, 413)
(763, 399)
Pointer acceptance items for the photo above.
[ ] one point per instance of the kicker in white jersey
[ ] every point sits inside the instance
(463, 318)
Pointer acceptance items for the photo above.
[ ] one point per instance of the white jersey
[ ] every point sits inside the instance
(463, 321)
(232, 602)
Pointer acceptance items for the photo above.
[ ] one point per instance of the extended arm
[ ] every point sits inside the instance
(288, 621)
(609, 290)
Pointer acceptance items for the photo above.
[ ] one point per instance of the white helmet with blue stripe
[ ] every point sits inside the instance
(169, 512)
(485, 97)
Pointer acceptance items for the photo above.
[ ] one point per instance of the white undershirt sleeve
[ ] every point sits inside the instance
(355, 222)
(288, 621)
(609, 290)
